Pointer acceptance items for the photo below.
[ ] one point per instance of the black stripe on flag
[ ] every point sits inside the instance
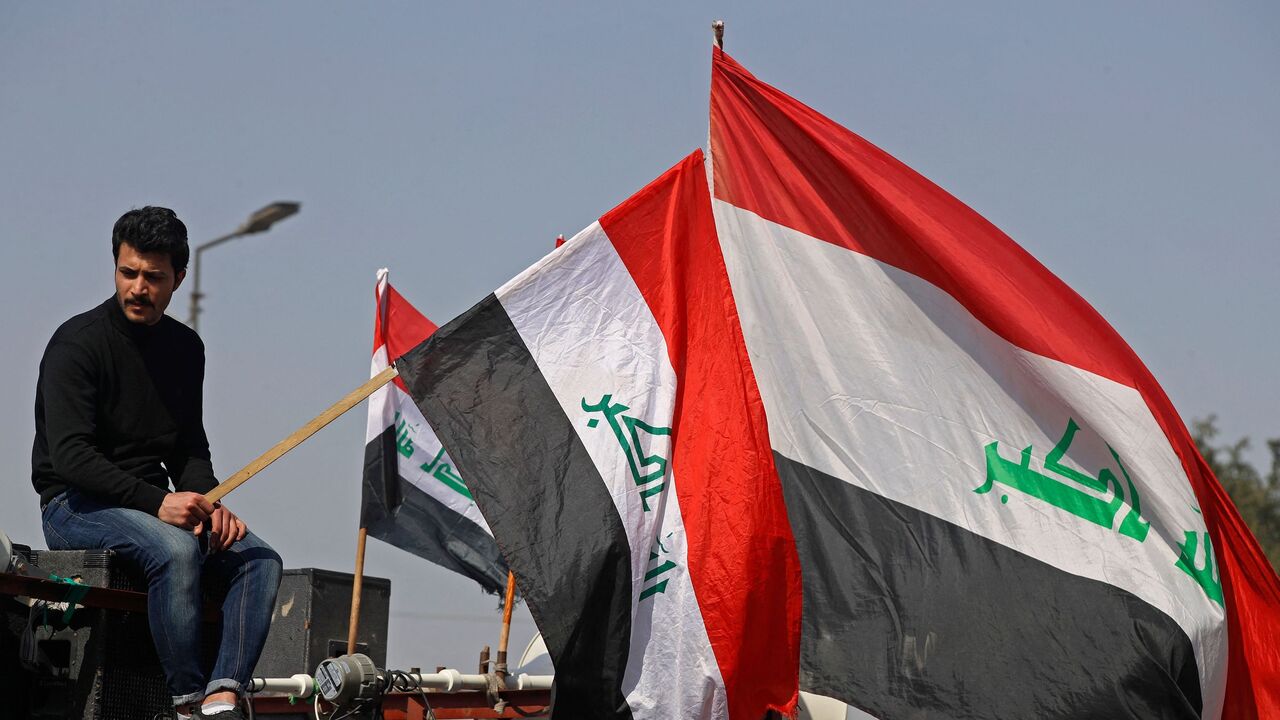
(380, 494)
(910, 616)
(480, 389)
(397, 512)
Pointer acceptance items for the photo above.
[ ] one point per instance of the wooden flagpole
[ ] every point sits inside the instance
(500, 668)
(298, 436)
(357, 587)
(357, 583)
(295, 439)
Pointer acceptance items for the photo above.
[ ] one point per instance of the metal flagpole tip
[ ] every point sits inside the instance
(717, 27)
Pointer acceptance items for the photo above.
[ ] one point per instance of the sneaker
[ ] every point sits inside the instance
(234, 713)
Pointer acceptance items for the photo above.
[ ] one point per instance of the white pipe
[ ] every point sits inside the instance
(448, 680)
(299, 685)
(451, 680)
(532, 682)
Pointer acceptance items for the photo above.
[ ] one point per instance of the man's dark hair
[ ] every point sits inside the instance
(152, 229)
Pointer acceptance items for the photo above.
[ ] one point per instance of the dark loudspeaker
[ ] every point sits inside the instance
(102, 664)
(309, 623)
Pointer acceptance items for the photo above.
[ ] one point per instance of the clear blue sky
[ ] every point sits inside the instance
(1130, 146)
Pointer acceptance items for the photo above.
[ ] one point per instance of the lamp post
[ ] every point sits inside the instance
(259, 221)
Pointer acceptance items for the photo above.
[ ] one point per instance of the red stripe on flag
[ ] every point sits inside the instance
(1250, 587)
(404, 328)
(742, 556)
(398, 325)
(787, 163)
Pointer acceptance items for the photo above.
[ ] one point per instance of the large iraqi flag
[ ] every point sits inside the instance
(998, 512)
(413, 497)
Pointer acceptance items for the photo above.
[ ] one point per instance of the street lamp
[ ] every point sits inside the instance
(258, 222)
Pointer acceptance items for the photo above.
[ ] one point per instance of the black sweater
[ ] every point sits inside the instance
(114, 401)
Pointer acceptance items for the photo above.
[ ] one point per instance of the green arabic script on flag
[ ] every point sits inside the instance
(1065, 495)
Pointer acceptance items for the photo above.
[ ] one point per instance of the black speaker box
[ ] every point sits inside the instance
(101, 665)
(309, 623)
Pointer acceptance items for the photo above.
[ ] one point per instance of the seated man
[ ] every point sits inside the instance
(119, 417)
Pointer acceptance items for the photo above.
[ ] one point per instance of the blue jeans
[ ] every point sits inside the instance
(174, 564)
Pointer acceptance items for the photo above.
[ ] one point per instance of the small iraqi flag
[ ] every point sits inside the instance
(414, 497)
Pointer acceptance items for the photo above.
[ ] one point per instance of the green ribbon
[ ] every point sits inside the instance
(75, 593)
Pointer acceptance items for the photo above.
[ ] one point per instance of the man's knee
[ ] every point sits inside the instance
(260, 559)
(270, 565)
